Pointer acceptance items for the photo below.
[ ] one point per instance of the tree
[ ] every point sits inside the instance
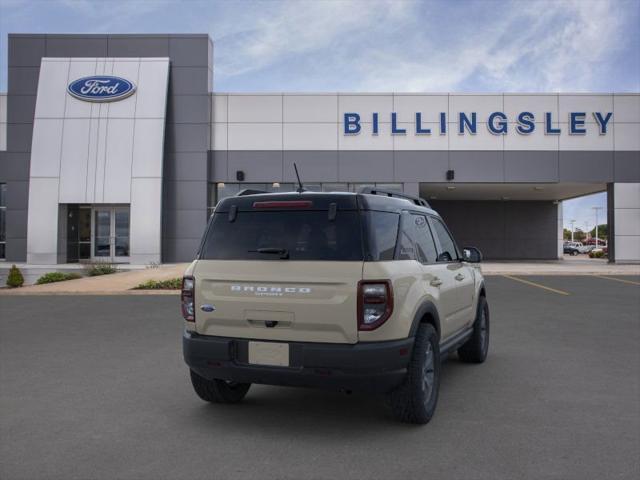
(15, 278)
(566, 234)
(603, 231)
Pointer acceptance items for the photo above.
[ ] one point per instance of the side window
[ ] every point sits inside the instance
(448, 251)
(416, 242)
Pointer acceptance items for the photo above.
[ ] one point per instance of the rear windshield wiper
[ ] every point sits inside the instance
(283, 252)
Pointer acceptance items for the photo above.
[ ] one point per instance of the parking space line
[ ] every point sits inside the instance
(534, 284)
(631, 282)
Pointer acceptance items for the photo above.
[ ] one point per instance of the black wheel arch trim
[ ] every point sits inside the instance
(427, 308)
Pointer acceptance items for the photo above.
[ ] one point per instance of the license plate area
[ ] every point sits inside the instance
(269, 353)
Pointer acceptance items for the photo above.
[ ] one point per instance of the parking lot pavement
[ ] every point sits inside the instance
(95, 387)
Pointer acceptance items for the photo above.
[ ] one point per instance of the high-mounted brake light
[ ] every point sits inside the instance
(284, 204)
(375, 303)
(187, 299)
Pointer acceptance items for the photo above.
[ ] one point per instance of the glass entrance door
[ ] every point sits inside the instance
(111, 234)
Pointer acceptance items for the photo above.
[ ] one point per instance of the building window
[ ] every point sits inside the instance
(3, 220)
(219, 191)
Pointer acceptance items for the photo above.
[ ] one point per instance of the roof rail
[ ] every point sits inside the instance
(249, 191)
(390, 193)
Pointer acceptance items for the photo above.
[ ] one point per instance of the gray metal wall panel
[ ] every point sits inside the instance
(26, 50)
(185, 223)
(430, 166)
(22, 108)
(188, 80)
(365, 166)
(187, 137)
(477, 166)
(76, 46)
(218, 166)
(138, 46)
(19, 137)
(189, 109)
(258, 165)
(530, 166)
(586, 166)
(189, 51)
(626, 166)
(23, 80)
(184, 166)
(503, 230)
(314, 166)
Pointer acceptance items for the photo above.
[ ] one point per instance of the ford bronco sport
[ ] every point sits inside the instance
(351, 291)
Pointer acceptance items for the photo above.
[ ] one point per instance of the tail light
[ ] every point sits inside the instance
(187, 299)
(375, 303)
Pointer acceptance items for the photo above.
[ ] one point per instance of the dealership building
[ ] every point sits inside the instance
(117, 148)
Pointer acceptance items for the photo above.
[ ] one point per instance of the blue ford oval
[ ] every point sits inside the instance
(101, 88)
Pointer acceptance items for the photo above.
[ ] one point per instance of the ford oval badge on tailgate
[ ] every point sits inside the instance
(101, 88)
(207, 308)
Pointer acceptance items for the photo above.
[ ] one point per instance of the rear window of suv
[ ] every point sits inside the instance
(267, 235)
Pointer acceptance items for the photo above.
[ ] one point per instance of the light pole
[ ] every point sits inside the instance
(596, 209)
(572, 222)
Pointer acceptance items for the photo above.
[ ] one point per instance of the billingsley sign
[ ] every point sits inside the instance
(101, 88)
(497, 123)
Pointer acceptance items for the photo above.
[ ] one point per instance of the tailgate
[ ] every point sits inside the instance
(305, 301)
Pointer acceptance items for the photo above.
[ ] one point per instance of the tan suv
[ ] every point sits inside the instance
(350, 291)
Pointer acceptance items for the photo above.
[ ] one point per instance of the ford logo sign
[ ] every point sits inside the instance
(101, 88)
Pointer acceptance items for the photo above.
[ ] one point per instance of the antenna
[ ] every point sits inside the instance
(300, 187)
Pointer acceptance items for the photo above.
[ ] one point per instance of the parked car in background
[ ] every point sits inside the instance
(570, 248)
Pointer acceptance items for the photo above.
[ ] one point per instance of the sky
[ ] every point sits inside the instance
(377, 45)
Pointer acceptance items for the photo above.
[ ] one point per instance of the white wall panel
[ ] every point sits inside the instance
(592, 140)
(75, 160)
(310, 108)
(584, 103)
(483, 105)
(411, 141)
(430, 106)
(627, 136)
(101, 158)
(42, 221)
(125, 108)
(626, 195)
(626, 107)
(219, 104)
(146, 216)
(3, 108)
(365, 140)
(365, 105)
(310, 136)
(483, 140)
(77, 108)
(628, 221)
(219, 136)
(536, 104)
(148, 147)
(151, 94)
(45, 147)
(92, 160)
(534, 141)
(255, 136)
(118, 158)
(3, 136)
(255, 108)
(51, 87)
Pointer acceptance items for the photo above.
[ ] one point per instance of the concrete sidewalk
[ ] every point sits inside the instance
(115, 283)
(124, 282)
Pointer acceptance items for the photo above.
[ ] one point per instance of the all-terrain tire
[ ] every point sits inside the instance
(218, 391)
(476, 348)
(415, 400)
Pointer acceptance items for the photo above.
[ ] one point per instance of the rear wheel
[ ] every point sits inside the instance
(476, 348)
(218, 391)
(415, 400)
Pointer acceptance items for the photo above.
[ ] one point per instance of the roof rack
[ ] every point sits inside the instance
(249, 191)
(390, 193)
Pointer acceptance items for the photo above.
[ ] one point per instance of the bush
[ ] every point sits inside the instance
(15, 278)
(52, 277)
(597, 254)
(171, 284)
(100, 269)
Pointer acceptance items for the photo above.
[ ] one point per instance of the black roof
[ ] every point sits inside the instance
(244, 201)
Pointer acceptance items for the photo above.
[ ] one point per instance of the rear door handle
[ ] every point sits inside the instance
(436, 282)
(459, 277)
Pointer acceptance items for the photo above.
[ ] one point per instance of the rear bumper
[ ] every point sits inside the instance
(369, 367)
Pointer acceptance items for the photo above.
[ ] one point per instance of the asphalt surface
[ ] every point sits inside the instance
(95, 388)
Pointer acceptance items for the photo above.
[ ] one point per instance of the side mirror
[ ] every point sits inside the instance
(471, 255)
